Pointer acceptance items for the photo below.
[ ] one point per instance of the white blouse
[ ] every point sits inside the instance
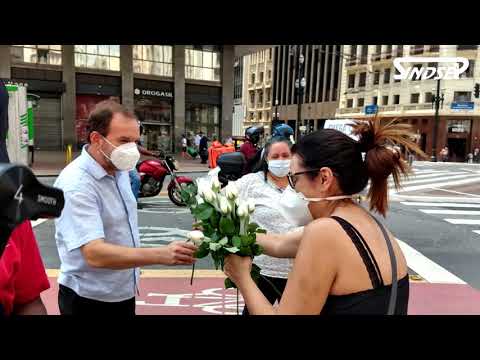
(268, 216)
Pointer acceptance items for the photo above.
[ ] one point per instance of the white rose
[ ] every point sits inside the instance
(199, 200)
(224, 206)
(209, 196)
(251, 205)
(196, 237)
(231, 191)
(216, 184)
(242, 210)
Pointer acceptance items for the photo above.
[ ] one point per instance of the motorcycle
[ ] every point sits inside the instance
(152, 176)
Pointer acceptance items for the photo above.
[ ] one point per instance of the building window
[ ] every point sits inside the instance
(351, 81)
(252, 99)
(349, 103)
(428, 97)
(37, 54)
(202, 62)
(153, 60)
(268, 116)
(267, 95)
(260, 115)
(462, 96)
(378, 49)
(469, 72)
(363, 59)
(363, 79)
(396, 99)
(385, 100)
(253, 79)
(386, 76)
(388, 52)
(261, 77)
(414, 98)
(376, 78)
(399, 52)
(417, 49)
(252, 116)
(467, 47)
(269, 54)
(459, 126)
(260, 98)
(434, 48)
(360, 102)
(202, 117)
(103, 57)
(269, 75)
(374, 100)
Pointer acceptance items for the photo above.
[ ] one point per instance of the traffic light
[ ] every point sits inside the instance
(477, 90)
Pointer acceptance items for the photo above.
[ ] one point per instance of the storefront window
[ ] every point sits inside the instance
(202, 62)
(156, 118)
(202, 117)
(37, 54)
(153, 60)
(103, 57)
(459, 126)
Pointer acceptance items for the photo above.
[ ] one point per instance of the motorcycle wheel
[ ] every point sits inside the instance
(175, 197)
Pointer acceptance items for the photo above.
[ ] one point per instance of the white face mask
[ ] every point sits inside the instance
(123, 157)
(279, 168)
(294, 206)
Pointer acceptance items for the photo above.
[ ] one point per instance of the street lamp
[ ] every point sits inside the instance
(436, 100)
(300, 84)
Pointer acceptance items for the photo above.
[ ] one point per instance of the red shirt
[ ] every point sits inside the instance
(22, 273)
(249, 150)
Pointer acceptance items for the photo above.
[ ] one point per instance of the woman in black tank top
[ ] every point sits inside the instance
(345, 261)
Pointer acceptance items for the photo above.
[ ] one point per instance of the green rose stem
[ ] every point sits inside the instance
(193, 271)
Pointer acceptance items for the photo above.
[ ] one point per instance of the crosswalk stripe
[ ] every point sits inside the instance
(450, 212)
(463, 221)
(426, 268)
(457, 205)
(439, 184)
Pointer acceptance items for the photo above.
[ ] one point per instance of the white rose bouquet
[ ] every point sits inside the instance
(225, 223)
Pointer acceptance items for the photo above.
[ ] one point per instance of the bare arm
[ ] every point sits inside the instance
(35, 307)
(144, 151)
(101, 254)
(308, 284)
(281, 245)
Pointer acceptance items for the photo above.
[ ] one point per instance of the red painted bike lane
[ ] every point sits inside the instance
(207, 296)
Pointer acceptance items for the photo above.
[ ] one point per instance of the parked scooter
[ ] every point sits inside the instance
(153, 173)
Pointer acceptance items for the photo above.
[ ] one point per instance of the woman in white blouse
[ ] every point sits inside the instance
(266, 187)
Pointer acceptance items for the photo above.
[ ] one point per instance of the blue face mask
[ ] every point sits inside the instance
(279, 168)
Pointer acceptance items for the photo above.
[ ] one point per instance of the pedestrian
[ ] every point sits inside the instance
(97, 234)
(22, 274)
(341, 265)
(203, 148)
(266, 185)
(476, 155)
(470, 158)
(198, 137)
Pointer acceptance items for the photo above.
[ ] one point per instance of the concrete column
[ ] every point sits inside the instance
(5, 62)
(179, 94)
(69, 96)
(126, 70)
(227, 91)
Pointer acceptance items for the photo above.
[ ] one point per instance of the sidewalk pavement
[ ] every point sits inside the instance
(51, 163)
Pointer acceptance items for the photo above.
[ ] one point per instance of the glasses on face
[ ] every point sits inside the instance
(293, 178)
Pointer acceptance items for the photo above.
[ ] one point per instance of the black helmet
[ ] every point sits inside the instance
(253, 134)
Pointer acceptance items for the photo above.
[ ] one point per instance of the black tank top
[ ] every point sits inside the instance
(367, 302)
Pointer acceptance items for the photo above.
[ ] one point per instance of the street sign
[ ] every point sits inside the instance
(371, 109)
(342, 125)
(464, 105)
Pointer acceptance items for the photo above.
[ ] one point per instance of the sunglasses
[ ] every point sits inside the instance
(293, 178)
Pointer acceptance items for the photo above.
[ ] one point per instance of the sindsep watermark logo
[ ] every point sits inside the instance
(452, 68)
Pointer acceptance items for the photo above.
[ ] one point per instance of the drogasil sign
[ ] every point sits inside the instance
(451, 68)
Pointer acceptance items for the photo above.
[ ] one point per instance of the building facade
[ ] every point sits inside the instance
(319, 89)
(174, 90)
(239, 96)
(257, 94)
(367, 79)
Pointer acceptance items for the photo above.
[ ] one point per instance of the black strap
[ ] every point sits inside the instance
(364, 251)
(393, 260)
